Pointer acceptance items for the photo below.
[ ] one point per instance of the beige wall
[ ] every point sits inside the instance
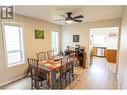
(31, 46)
(83, 30)
(122, 70)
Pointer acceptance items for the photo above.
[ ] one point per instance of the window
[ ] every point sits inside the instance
(13, 43)
(99, 40)
(54, 41)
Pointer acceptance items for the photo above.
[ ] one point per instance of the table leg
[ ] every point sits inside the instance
(49, 80)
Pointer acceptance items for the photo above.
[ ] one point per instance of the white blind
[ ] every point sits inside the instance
(13, 40)
(54, 42)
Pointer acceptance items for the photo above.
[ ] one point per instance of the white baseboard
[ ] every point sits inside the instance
(7, 82)
(118, 81)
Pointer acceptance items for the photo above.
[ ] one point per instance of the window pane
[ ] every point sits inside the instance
(14, 57)
(12, 38)
(99, 40)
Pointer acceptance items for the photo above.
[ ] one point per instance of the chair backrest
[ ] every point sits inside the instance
(60, 53)
(71, 60)
(64, 60)
(33, 65)
(41, 56)
(72, 57)
(50, 54)
(64, 64)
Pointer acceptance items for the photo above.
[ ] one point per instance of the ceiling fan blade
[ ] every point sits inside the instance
(59, 20)
(77, 20)
(77, 17)
(64, 16)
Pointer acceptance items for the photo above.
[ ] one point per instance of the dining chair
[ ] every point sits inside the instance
(62, 72)
(50, 54)
(36, 80)
(41, 56)
(70, 69)
(67, 69)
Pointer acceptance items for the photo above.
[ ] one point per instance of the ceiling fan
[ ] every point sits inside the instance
(69, 19)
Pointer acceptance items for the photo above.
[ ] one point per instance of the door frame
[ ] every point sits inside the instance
(118, 47)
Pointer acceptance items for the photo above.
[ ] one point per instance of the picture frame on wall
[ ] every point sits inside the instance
(39, 34)
(75, 38)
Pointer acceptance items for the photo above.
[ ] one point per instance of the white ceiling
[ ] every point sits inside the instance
(51, 13)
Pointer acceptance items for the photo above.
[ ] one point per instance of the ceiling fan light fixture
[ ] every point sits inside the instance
(68, 21)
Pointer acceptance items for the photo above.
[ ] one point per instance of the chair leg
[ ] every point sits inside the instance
(61, 82)
(41, 83)
(73, 76)
(73, 73)
(66, 79)
(69, 77)
(31, 84)
(37, 84)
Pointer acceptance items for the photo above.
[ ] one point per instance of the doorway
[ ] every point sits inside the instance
(104, 46)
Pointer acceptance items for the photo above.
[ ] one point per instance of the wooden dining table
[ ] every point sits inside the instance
(49, 66)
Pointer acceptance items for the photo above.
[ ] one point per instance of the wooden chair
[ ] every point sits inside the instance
(63, 70)
(50, 54)
(36, 80)
(70, 69)
(41, 56)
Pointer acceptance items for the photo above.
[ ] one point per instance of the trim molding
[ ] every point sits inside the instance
(11, 81)
(118, 80)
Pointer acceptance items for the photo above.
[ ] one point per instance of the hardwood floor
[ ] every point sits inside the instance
(100, 75)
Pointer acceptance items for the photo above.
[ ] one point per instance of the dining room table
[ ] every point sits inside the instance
(49, 66)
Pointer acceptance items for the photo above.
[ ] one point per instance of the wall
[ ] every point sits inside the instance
(31, 46)
(122, 70)
(83, 30)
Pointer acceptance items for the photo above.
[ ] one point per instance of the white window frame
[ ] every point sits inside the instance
(4, 45)
(57, 42)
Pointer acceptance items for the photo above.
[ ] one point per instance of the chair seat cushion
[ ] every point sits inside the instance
(43, 75)
(38, 78)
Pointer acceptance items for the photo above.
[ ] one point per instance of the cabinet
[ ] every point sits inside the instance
(111, 55)
(94, 51)
(82, 58)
